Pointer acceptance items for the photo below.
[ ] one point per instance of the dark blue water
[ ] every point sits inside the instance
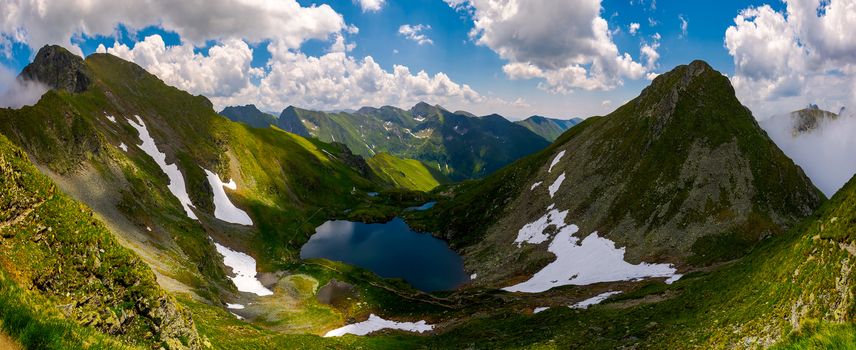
(390, 250)
(423, 207)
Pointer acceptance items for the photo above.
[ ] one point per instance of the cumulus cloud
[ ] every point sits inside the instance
(16, 93)
(633, 28)
(37, 23)
(416, 33)
(334, 80)
(786, 59)
(224, 71)
(826, 154)
(370, 5)
(568, 45)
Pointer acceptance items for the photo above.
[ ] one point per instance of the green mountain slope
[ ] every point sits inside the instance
(681, 174)
(793, 291)
(89, 142)
(548, 128)
(459, 145)
(61, 264)
(406, 173)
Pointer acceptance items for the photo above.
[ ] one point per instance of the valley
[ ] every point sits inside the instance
(135, 216)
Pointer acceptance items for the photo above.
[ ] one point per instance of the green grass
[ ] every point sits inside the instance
(54, 246)
(821, 335)
(406, 173)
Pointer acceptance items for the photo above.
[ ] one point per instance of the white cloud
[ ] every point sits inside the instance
(223, 72)
(331, 81)
(37, 22)
(568, 44)
(15, 93)
(370, 5)
(416, 33)
(785, 60)
(825, 153)
(684, 25)
(633, 28)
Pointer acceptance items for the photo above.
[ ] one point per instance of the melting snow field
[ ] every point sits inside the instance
(176, 180)
(235, 306)
(595, 259)
(556, 161)
(123, 146)
(556, 184)
(533, 232)
(223, 207)
(540, 309)
(375, 323)
(597, 299)
(244, 268)
(535, 185)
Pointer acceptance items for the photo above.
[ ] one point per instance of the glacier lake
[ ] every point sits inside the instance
(391, 250)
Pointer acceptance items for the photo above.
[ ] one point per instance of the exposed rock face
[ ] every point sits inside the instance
(249, 115)
(290, 121)
(809, 119)
(681, 174)
(58, 68)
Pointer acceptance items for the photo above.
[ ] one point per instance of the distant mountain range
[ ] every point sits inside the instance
(548, 128)
(458, 145)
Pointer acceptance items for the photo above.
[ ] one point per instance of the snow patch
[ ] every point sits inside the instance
(556, 161)
(540, 309)
(235, 306)
(244, 268)
(419, 118)
(376, 323)
(556, 184)
(597, 299)
(110, 118)
(176, 180)
(594, 260)
(533, 232)
(123, 146)
(223, 207)
(474, 276)
(535, 185)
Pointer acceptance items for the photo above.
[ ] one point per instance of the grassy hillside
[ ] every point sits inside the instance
(406, 173)
(62, 269)
(286, 183)
(681, 174)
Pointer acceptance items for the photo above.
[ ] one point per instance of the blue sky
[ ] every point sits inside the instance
(452, 52)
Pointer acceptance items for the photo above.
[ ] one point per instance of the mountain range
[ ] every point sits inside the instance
(135, 216)
(458, 145)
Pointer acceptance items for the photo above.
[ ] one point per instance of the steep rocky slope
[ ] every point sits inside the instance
(681, 174)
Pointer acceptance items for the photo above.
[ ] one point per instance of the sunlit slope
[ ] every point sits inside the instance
(61, 268)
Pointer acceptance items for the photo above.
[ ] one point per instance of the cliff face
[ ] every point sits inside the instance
(59, 69)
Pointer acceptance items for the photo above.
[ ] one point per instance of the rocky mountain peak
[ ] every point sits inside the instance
(58, 68)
